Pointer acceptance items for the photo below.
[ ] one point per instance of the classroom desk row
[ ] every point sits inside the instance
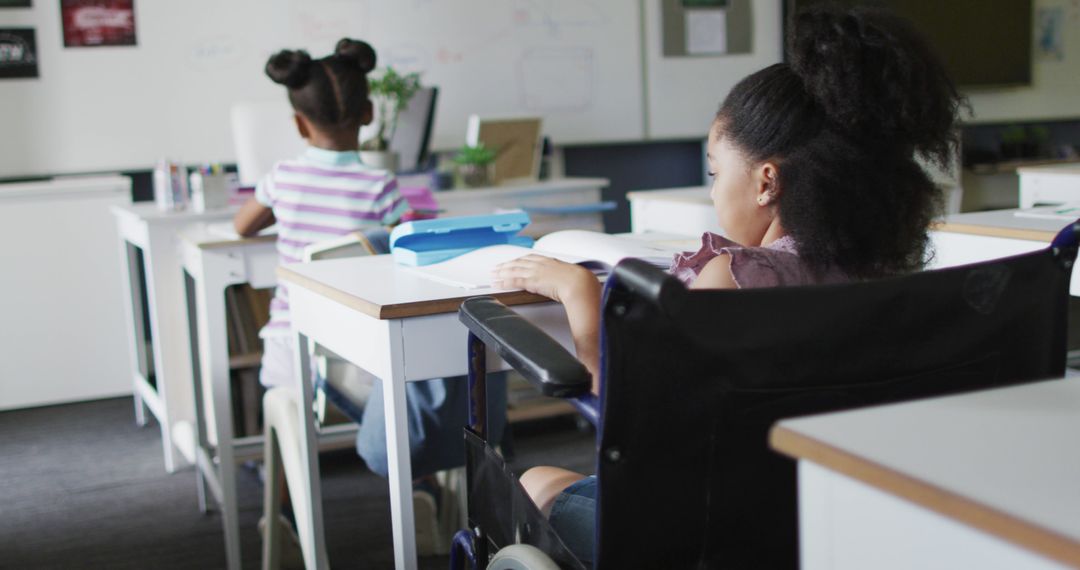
(396, 326)
(177, 267)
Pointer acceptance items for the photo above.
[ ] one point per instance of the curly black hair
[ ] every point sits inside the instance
(331, 92)
(861, 96)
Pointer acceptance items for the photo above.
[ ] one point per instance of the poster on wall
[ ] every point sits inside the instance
(18, 53)
(90, 23)
(14, 3)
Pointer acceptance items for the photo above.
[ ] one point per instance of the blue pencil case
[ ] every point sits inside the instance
(424, 242)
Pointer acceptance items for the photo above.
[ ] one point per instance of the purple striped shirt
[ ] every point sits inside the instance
(322, 195)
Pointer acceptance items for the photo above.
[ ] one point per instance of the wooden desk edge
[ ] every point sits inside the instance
(1003, 525)
(994, 231)
(402, 310)
(226, 242)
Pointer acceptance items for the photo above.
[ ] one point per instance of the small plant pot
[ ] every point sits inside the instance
(474, 175)
(386, 160)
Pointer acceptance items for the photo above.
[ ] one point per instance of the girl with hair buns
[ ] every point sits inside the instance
(815, 181)
(326, 193)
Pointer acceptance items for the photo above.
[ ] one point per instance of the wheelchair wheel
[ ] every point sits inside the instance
(521, 557)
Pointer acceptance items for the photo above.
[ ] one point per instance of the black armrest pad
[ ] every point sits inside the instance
(526, 348)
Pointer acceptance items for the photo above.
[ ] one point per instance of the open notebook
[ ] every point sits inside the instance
(597, 251)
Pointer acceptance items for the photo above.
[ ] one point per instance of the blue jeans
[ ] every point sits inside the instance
(437, 412)
(573, 516)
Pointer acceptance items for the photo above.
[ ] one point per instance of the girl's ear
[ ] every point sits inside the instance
(369, 113)
(766, 178)
(302, 126)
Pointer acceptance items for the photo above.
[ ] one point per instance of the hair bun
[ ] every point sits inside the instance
(875, 78)
(359, 52)
(290, 68)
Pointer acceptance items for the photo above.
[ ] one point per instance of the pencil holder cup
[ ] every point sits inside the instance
(209, 191)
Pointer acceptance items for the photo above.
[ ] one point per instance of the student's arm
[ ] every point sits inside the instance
(252, 217)
(573, 286)
(716, 274)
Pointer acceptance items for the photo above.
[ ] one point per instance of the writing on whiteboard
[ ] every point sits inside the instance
(556, 79)
(216, 52)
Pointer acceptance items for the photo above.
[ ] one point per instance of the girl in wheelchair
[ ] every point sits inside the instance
(814, 180)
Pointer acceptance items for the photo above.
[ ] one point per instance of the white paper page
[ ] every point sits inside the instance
(473, 270)
(706, 31)
(606, 248)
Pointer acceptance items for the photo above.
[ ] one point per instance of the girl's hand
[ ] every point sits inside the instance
(545, 276)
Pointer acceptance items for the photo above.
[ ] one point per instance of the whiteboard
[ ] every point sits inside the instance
(576, 63)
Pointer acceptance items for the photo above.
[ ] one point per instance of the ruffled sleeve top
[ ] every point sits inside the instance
(775, 265)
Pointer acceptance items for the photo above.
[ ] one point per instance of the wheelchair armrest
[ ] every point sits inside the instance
(526, 348)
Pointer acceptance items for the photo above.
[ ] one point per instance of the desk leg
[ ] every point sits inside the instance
(311, 523)
(214, 368)
(133, 310)
(202, 441)
(399, 459)
(162, 295)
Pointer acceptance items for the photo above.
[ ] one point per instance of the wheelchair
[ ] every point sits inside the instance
(707, 490)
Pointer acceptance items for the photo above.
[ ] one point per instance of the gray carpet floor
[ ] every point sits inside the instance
(82, 487)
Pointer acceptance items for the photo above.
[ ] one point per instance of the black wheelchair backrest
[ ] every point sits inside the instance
(693, 380)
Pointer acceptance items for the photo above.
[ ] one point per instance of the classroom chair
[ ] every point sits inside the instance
(692, 380)
(263, 132)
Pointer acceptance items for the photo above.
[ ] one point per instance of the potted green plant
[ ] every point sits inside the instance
(473, 165)
(390, 91)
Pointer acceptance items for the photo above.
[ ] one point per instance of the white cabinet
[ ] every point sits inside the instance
(63, 336)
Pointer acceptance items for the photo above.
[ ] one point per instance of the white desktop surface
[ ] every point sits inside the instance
(396, 292)
(1003, 461)
(582, 197)
(1003, 223)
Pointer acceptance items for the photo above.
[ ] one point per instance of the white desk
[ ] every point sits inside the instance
(1049, 184)
(556, 204)
(686, 211)
(211, 263)
(160, 368)
(982, 480)
(690, 211)
(979, 236)
(400, 327)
